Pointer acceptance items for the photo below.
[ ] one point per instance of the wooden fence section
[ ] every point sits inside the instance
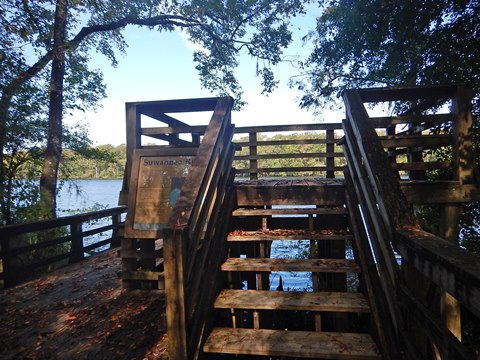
(424, 125)
(432, 267)
(194, 243)
(289, 150)
(30, 247)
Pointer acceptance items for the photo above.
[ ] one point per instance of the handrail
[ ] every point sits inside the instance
(194, 241)
(28, 246)
(389, 225)
(312, 155)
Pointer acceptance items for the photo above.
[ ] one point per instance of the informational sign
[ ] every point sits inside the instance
(155, 187)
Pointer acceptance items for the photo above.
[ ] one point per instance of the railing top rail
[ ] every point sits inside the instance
(15, 229)
(176, 106)
(295, 127)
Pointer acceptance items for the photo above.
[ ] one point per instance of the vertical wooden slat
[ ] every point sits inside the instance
(77, 242)
(330, 151)
(252, 138)
(173, 252)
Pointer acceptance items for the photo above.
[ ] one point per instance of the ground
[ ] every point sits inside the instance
(81, 312)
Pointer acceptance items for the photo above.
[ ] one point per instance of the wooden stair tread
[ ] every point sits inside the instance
(308, 265)
(289, 300)
(292, 211)
(315, 345)
(286, 235)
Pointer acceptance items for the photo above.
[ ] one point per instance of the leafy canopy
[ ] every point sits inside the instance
(381, 42)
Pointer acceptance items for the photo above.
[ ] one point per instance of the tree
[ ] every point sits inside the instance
(378, 42)
(411, 42)
(223, 29)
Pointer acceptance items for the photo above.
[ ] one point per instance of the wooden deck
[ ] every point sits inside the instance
(81, 312)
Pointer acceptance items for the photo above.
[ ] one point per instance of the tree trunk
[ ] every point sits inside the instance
(53, 153)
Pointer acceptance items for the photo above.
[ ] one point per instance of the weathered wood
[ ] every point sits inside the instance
(173, 248)
(388, 194)
(330, 195)
(292, 156)
(427, 141)
(450, 347)
(422, 166)
(453, 269)
(440, 192)
(302, 169)
(286, 142)
(307, 265)
(291, 211)
(317, 345)
(377, 298)
(287, 235)
(280, 128)
(289, 300)
(430, 119)
(462, 133)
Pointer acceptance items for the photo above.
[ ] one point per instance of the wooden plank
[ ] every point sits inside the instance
(307, 265)
(331, 195)
(452, 268)
(316, 345)
(289, 300)
(431, 119)
(291, 211)
(430, 141)
(200, 129)
(280, 128)
(430, 192)
(176, 106)
(288, 235)
(286, 142)
(292, 169)
(433, 165)
(174, 253)
(291, 156)
(389, 197)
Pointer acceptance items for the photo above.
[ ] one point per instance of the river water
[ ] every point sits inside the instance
(87, 195)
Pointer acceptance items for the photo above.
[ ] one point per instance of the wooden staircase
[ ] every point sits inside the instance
(316, 324)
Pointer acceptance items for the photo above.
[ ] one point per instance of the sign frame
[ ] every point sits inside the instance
(135, 188)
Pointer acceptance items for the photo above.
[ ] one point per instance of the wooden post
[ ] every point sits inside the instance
(330, 151)
(173, 252)
(77, 242)
(5, 261)
(464, 172)
(252, 138)
(116, 220)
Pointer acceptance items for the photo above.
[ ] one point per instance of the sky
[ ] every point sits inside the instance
(159, 66)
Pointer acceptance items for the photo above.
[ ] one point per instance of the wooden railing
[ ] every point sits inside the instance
(28, 247)
(405, 298)
(194, 243)
(289, 150)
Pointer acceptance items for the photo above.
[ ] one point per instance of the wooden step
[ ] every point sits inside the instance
(313, 345)
(291, 211)
(289, 300)
(308, 265)
(272, 235)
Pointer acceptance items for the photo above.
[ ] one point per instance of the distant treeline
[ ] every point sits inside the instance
(103, 162)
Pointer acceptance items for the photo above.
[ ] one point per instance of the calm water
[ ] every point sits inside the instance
(87, 195)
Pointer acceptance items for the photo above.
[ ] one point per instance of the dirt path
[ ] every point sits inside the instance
(81, 312)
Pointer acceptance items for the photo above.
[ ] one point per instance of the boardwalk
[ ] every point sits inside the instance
(81, 312)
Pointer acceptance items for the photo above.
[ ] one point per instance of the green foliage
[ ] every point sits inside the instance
(412, 42)
(377, 42)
